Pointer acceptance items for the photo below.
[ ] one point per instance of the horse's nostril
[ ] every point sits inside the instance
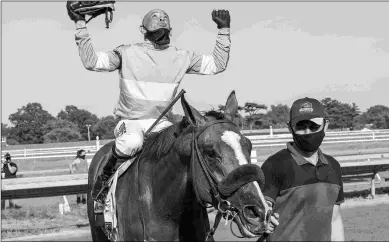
(253, 212)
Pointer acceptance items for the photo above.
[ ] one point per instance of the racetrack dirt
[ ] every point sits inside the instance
(364, 220)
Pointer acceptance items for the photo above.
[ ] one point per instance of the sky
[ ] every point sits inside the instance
(280, 51)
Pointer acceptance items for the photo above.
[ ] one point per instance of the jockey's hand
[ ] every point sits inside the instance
(221, 18)
(73, 15)
(273, 223)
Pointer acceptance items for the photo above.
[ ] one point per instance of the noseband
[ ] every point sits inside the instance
(224, 207)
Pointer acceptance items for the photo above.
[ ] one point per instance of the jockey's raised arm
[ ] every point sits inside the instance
(92, 60)
(215, 63)
(111, 60)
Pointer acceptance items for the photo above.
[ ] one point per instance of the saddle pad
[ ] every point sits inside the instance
(110, 219)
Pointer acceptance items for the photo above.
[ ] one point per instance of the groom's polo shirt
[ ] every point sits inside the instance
(303, 194)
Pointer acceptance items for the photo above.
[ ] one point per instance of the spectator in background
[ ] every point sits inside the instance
(78, 166)
(302, 184)
(8, 170)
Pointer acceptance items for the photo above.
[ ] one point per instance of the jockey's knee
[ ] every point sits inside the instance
(129, 144)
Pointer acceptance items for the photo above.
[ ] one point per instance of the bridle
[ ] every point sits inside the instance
(224, 208)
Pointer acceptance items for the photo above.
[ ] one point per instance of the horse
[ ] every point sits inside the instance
(198, 162)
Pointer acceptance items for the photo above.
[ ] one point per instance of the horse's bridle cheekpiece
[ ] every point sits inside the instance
(225, 209)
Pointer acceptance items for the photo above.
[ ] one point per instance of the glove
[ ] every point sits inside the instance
(73, 15)
(221, 18)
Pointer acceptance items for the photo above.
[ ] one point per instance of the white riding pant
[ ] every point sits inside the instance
(129, 134)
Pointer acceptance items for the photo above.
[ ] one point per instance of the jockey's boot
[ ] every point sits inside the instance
(101, 181)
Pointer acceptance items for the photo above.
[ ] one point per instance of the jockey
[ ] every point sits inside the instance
(149, 75)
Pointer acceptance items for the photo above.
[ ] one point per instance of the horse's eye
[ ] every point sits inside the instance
(210, 151)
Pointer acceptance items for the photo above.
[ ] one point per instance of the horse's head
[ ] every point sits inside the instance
(221, 171)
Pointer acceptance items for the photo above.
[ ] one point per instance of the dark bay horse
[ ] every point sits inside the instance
(202, 160)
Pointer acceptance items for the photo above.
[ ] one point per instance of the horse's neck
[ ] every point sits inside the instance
(171, 190)
(194, 224)
(173, 193)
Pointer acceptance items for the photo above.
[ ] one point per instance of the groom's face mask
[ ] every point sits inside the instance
(308, 135)
(157, 26)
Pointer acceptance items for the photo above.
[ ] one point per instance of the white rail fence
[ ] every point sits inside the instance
(372, 135)
(331, 137)
(59, 185)
(257, 141)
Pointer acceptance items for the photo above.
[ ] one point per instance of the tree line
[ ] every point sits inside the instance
(31, 124)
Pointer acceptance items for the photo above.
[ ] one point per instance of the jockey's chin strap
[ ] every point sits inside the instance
(224, 207)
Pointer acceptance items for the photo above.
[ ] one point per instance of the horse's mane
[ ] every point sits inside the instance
(214, 115)
(158, 144)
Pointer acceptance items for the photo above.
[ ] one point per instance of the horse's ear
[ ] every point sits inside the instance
(194, 117)
(231, 106)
